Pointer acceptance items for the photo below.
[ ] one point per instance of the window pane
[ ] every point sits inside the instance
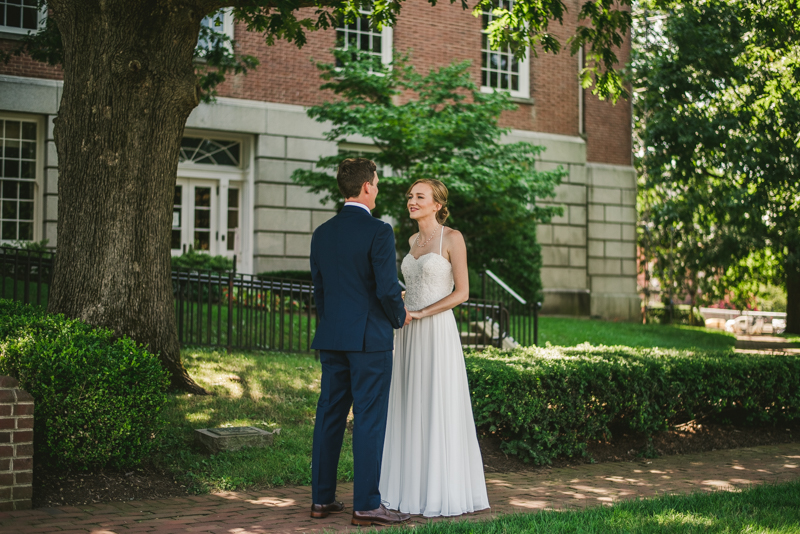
(515, 83)
(376, 43)
(28, 150)
(202, 197)
(29, 18)
(176, 240)
(233, 198)
(28, 170)
(9, 230)
(26, 211)
(11, 168)
(13, 17)
(11, 149)
(25, 231)
(202, 219)
(178, 194)
(210, 151)
(12, 129)
(26, 190)
(9, 189)
(233, 219)
(29, 130)
(9, 209)
(202, 240)
(231, 240)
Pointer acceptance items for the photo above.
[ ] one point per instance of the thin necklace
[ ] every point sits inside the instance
(416, 241)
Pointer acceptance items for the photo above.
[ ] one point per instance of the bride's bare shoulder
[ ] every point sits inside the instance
(453, 236)
(412, 239)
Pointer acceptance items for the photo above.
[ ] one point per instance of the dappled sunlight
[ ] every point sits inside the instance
(531, 505)
(672, 519)
(273, 502)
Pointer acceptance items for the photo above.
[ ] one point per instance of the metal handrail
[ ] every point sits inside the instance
(505, 286)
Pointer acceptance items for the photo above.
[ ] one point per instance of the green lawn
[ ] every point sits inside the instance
(762, 509)
(569, 332)
(265, 390)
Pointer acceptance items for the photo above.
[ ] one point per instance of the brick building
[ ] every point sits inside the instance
(234, 194)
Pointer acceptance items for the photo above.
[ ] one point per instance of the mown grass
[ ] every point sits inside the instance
(265, 390)
(570, 332)
(767, 508)
(276, 390)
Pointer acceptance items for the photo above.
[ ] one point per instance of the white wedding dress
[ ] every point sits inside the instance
(431, 459)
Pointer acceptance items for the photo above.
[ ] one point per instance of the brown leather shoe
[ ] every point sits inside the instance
(379, 516)
(318, 511)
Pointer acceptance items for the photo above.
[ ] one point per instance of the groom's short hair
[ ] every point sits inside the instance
(353, 173)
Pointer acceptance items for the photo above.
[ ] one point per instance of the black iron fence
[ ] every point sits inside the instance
(237, 311)
(25, 275)
(242, 311)
(522, 324)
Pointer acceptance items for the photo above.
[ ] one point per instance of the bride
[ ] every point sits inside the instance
(431, 460)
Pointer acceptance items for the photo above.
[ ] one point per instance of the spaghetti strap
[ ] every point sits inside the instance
(441, 238)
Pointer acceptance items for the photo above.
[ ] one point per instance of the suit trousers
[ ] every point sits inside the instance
(360, 379)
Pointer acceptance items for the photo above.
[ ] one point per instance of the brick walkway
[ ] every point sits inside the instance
(286, 509)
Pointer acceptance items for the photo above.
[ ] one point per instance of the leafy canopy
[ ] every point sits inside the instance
(524, 28)
(445, 128)
(718, 119)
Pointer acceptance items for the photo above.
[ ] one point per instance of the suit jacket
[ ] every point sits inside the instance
(358, 297)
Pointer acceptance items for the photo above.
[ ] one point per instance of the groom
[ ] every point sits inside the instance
(358, 302)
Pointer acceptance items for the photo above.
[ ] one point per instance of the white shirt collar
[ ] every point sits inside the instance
(360, 205)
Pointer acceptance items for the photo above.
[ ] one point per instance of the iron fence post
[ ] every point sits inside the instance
(230, 312)
(536, 323)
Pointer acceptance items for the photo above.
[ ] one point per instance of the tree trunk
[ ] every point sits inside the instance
(129, 86)
(792, 268)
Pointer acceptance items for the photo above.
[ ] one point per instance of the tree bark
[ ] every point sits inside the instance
(129, 86)
(792, 268)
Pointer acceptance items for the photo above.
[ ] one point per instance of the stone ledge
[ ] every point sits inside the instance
(233, 439)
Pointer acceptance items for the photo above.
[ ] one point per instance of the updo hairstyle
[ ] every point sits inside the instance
(439, 196)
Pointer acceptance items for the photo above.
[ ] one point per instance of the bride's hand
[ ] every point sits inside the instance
(416, 314)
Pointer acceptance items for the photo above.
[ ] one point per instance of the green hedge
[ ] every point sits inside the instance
(545, 402)
(99, 400)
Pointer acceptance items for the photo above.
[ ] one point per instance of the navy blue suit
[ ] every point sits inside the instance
(359, 303)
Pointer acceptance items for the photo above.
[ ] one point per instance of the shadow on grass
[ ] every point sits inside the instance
(264, 390)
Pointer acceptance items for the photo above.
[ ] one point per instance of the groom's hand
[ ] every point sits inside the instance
(408, 317)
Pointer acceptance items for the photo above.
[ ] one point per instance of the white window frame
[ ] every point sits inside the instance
(38, 182)
(524, 90)
(227, 25)
(41, 17)
(227, 176)
(387, 41)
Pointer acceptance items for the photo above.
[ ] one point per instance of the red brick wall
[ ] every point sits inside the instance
(435, 36)
(16, 446)
(608, 126)
(25, 66)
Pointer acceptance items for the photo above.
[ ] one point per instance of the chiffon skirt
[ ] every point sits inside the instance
(432, 463)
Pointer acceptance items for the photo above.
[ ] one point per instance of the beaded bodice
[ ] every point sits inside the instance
(429, 279)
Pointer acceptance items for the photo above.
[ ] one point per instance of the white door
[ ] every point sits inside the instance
(206, 216)
(195, 216)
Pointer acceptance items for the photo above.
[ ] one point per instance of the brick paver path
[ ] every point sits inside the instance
(286, 509)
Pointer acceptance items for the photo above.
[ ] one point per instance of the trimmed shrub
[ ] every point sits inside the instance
(197, 261)
(99, 400)
(545, 402)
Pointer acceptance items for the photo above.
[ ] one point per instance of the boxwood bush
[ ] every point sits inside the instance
(545, 402)
(99, 399)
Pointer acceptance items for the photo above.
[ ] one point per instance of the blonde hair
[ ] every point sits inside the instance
(439, 196)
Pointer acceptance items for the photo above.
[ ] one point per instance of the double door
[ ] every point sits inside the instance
(206, 217)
